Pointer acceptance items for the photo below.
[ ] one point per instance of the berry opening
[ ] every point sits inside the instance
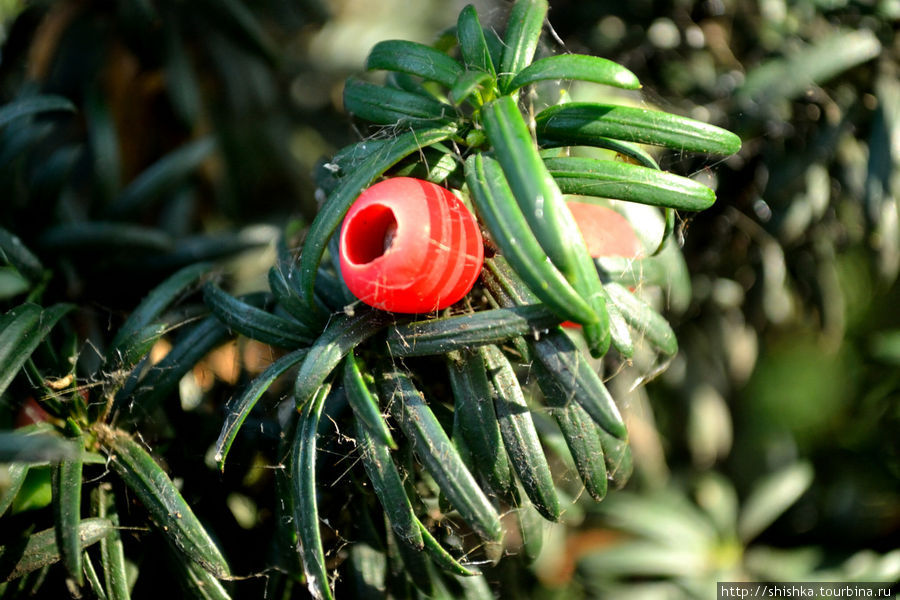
(369, 234)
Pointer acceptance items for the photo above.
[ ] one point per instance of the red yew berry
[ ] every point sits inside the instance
(31, 413)
(605, 232)
(410, 246)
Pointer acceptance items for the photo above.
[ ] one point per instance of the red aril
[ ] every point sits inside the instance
(31, 413)
(410, 246)
(605, 232)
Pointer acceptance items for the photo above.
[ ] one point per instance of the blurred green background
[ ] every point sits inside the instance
(767, 449)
